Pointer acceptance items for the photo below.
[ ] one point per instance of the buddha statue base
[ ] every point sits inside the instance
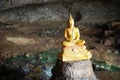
(74, 53)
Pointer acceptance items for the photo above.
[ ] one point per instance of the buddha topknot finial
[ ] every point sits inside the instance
(70, 21)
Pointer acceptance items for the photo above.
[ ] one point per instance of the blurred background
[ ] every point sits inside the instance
(30, 30)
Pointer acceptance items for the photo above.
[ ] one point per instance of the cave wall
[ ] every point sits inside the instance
(5, 4)
(84, 11)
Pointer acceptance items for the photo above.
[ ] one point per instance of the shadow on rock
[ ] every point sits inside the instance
(8, 73)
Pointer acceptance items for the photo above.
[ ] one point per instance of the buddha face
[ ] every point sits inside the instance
(71, 24)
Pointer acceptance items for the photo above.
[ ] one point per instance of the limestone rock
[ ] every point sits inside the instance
(74, 70)
(85, 12)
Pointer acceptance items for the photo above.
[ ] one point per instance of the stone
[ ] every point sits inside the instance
(73, 70)
(86, 12)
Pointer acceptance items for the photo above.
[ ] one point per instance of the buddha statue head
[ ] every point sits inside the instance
(70, 21)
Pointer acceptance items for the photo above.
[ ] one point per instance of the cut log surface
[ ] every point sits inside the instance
(73, 70)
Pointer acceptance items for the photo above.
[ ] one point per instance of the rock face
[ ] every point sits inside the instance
(33, 14)
(84, 11)
(5, 4)
(74, 70)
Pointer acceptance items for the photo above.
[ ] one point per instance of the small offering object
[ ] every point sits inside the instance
(73, 47)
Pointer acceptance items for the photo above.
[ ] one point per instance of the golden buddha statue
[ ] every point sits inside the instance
(72, 34)
(73, 47)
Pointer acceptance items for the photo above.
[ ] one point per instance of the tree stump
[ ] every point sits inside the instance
(73, 70)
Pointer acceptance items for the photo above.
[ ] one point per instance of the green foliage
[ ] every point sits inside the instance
(20, 58)
(49, 56)
(104, 65)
